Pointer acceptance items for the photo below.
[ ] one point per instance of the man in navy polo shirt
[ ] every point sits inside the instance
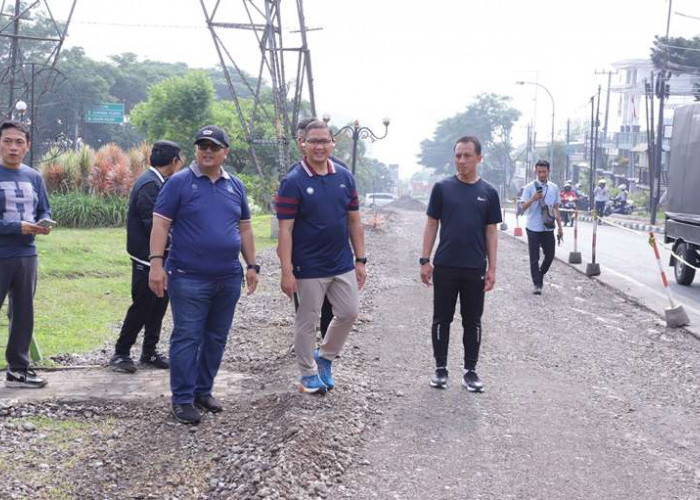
(466, 208)
(318, 212)
(207, 210)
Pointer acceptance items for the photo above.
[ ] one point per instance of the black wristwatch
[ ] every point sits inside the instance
(423, 260)
(255, 267)
(361, 260)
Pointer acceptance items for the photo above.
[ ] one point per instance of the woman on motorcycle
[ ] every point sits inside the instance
(568, 202)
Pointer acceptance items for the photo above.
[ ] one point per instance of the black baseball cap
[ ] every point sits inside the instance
(163, 152)
(214, 134)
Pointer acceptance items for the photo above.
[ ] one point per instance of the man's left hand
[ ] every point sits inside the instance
(251, 279)
(360, 274)
(489, 280)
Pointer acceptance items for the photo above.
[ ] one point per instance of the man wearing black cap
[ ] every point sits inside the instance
(207, 210)
(147, 310)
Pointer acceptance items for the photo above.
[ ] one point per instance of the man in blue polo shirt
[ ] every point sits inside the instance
(466, 209)
(318, 212)
(207, 210)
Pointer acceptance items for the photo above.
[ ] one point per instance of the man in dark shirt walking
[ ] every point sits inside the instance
(147, 310)
(466, 209)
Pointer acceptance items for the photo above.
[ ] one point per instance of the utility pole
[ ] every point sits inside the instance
(607, 102)
(14, 55)
(597, 133)
(568, 153)
(591, 166)
(662, 92)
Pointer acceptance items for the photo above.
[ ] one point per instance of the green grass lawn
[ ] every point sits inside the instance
(84, 287)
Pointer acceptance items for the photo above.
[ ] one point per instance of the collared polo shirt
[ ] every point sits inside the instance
(205, 217)
(319, 206)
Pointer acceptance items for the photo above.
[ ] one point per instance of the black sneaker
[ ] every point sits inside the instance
(156, 360)
(208, 403)
(24, 378)
(122, 363)
(186, 414)
(537, 290)
(439, 379)
(472, 382)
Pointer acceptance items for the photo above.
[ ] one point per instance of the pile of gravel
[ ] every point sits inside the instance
(408, 203)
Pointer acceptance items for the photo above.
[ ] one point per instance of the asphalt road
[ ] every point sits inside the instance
(627, 263)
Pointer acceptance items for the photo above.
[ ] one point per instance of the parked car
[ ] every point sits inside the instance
(378, 200)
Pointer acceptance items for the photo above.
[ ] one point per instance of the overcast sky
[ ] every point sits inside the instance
(414, 61)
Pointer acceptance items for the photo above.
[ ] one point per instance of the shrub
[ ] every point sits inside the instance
(80, 210)
(111, 173)
(139, 159)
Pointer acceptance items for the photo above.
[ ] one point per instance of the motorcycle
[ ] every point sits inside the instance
(567, 216)
(615, 206)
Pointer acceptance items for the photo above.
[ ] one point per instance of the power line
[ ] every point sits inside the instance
(137, 25)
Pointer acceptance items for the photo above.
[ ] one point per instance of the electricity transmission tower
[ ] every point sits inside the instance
(19, 73)
(263, 19)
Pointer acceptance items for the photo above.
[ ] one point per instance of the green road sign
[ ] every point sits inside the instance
(105, 113)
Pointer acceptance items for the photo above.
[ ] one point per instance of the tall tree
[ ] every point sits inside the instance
(678, 55)
(490, 118)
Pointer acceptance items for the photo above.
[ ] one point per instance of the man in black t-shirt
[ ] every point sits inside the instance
(466, 209)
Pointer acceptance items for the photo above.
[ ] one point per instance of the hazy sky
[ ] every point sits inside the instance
(416, 62)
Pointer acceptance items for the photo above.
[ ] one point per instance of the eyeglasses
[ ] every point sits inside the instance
(322, 142)
(210, 146)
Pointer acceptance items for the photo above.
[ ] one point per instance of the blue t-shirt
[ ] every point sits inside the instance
(464, 210)
(550, 197)
(319, 206)
(205, 216)
(22, 198)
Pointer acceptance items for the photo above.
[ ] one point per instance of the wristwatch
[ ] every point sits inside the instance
(423, 260)
(361, 260)
(255, 267)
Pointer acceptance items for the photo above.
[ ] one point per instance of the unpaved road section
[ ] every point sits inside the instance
(587, 396)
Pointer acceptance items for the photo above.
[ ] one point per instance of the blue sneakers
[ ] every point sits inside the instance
(324, 370)
(311, 384)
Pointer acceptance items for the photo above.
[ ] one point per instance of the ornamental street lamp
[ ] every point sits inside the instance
(551, 145)
(357, 133)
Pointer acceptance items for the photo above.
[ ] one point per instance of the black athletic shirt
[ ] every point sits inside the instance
(464, 211)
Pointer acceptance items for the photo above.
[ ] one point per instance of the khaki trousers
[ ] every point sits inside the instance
(342, 293)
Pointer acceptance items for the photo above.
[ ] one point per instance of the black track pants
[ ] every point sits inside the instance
(468, 284)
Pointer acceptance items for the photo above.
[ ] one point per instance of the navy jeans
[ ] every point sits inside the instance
(202, 317)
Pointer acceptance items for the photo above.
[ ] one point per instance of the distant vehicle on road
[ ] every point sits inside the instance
(683, 196)
(378, 200)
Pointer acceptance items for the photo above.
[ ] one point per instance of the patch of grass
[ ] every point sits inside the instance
(262, 229)
(84, 287)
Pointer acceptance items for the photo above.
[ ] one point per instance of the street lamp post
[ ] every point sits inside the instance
(551, 145)
(357, 133)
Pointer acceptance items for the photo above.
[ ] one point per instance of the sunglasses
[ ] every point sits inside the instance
(209, 146)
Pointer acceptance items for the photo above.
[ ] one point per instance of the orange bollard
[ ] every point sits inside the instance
(518, 231)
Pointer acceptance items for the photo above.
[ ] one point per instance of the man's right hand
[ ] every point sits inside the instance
(158, 280)
(30, 228)
(537, 196)
(288, 284)
(426, 274)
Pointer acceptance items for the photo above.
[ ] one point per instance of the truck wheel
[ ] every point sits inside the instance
(684, 274)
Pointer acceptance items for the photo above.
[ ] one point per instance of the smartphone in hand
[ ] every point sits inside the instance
(46, 223)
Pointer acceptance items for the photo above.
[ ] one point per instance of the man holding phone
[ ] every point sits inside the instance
(24, 213)
(540, 201)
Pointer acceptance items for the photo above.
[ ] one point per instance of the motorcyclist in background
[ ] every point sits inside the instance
(569, 199)
(621, 199)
